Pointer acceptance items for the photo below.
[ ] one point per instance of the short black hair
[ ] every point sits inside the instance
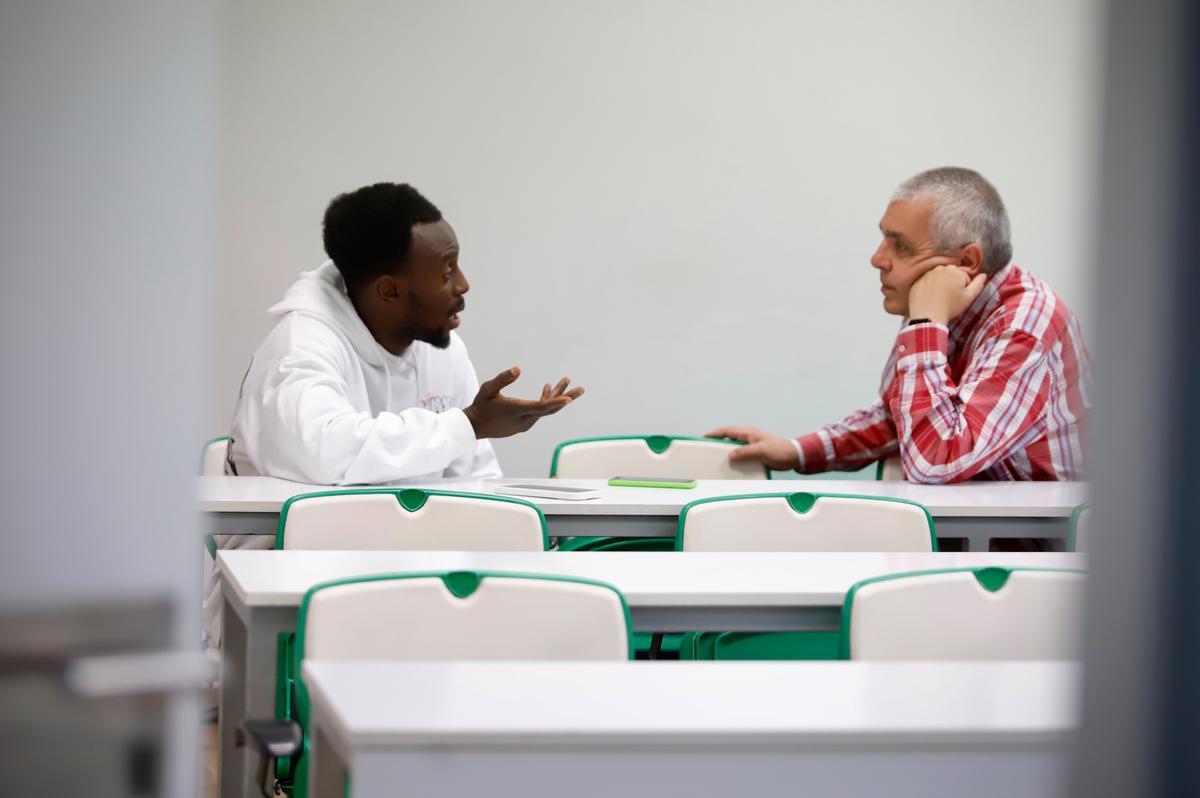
(368, 232)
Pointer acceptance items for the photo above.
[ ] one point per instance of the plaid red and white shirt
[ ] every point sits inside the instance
(1003, 393)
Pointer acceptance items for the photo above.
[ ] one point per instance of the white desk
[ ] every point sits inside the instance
(665, 591)
(698, 729)
(976, 511)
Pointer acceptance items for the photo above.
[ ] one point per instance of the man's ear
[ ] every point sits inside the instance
(972, 260)
(389, 289)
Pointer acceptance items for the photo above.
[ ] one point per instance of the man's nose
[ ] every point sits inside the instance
(878, 260)
(462, 286)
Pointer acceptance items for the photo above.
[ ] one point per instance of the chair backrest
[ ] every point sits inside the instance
(1079, 538)
(410, 519)
(890, 469)
(965, 614)
(464, 615)
(804, 522)
(212, 457)
(651, 456)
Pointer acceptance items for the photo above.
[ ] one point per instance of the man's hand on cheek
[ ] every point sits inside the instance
(942, 293)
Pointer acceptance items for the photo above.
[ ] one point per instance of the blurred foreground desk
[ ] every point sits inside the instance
(694, 729)
(975, 511)
(683, 591)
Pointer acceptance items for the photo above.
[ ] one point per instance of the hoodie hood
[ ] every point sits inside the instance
(321, 294)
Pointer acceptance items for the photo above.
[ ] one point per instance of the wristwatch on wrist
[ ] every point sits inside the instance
(911, 322)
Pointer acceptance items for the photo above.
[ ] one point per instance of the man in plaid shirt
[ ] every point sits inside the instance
(989, 377)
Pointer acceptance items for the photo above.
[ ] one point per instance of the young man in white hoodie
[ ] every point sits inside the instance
(363, 379)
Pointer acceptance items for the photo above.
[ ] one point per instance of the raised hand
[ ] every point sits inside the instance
(493, 415)
(943, 293)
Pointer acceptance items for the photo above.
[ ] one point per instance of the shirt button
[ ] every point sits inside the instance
(901, 347)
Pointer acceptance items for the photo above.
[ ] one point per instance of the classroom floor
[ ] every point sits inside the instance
(208, 760)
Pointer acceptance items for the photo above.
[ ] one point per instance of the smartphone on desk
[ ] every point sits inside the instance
(651, 482)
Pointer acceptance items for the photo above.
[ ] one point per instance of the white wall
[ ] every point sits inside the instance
(671, 202)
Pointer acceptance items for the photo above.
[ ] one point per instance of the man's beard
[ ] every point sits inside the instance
(436, 336)
(439, 337)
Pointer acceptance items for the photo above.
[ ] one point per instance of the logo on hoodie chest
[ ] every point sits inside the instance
(438, 403)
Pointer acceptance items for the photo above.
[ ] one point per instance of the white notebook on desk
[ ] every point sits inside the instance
(548, 490)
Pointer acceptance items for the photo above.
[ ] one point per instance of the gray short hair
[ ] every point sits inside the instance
(968, 210)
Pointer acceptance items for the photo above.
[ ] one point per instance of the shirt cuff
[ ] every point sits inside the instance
(923, 342)
(799, 453)
(812, 453)
(459, 430)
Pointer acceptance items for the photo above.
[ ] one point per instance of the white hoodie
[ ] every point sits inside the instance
(323, 402)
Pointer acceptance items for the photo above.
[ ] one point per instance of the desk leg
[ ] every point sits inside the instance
(248, 663)
(326, 771)
(232, 709)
